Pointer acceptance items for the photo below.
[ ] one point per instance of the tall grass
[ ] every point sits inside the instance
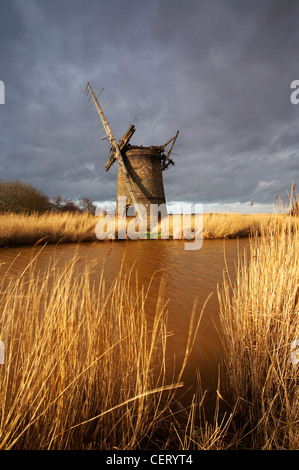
(260, 324)
(22, 229)
(85, 366)
(235, 225)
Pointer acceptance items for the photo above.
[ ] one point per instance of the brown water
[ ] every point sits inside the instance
(190, 276)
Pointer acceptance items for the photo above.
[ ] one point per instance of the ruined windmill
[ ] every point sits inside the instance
(139, 168)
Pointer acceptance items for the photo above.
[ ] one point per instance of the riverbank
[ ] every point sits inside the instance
(21, 229)
(64, 386)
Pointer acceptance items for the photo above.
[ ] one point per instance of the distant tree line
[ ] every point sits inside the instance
(84, 204)
(19, 197)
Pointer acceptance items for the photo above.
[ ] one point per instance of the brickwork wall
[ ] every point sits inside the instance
(144, 167)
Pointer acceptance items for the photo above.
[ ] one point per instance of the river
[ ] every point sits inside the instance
(190, 276)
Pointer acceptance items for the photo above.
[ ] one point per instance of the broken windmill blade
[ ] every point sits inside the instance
(165, 164)
(140, 168)
(121, 144)
(114, 144)
(97, 98)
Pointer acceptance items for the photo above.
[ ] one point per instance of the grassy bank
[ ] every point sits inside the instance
(259, 315)
(85, 368)
(72, 228)
(21, 229)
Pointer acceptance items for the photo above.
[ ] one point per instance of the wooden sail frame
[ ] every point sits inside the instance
(113, 143)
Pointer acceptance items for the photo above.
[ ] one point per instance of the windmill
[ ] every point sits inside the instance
(139, 168)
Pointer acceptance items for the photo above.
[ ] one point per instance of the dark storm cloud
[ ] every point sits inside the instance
(219, 71)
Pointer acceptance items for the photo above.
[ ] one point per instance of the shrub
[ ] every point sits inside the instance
(19, 197)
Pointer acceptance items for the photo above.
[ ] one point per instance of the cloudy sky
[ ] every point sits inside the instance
(217, 70)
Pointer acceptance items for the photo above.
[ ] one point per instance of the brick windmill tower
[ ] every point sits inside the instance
(139, 168)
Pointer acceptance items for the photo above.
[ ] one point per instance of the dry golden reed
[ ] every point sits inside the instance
(85, 367)
(22, 229)
(260, 328)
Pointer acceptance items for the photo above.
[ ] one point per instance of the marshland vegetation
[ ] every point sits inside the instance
(69, 227)
(86, 366)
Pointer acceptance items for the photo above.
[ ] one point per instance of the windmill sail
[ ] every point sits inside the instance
(116, 150)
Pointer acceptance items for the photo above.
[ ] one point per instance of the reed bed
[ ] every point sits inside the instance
(22, 229)
(85, 367)
(236, 225)
(259, 315)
